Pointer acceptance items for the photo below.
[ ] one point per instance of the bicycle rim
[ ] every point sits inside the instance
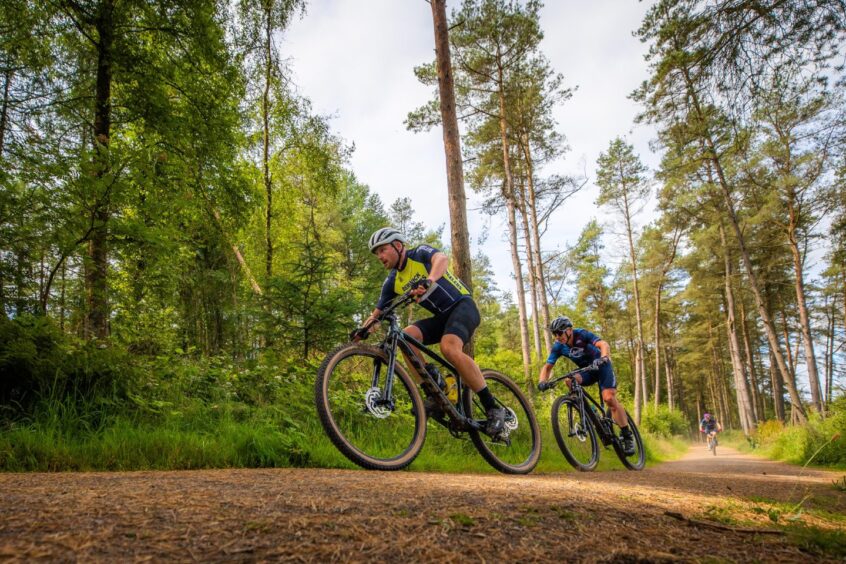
(575, 436)
(520, 452)
(372, 435)
(638, 460)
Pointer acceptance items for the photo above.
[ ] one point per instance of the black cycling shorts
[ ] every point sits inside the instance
(461, 321)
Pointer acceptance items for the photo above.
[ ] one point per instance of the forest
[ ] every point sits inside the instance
(183, 238)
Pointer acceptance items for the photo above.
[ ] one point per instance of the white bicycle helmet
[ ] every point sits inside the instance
(384, 236)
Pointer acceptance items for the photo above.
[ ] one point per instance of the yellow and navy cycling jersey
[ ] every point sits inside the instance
(417, 265)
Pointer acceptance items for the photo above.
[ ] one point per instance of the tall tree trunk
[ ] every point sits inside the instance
(460, 237)
(641, 397)
(829, 348)
(540, 276)
(668, 372)
(510, 203)
(97, 315)
(265, 115)
(757, 402)
(62, 293)
(804, 318)
(744, 401)
(533, 282)
(778, 390)
(4, 110)
(521, 294)
(657, 320)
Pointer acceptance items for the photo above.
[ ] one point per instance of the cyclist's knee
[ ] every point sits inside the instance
(451, 346)
(609, 396)
(414, 331)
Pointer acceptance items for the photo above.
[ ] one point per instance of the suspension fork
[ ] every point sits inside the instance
(391, 349)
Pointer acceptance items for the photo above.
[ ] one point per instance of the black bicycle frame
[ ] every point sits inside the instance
(396, 338)
(594, 412)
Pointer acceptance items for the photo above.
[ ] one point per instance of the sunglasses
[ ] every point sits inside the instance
(558, 333)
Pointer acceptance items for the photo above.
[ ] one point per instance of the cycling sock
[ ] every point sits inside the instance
(626, 432)
(486, 397)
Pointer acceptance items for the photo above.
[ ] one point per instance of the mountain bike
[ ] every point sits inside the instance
(373, 412)
(712, 443)
(577, 419)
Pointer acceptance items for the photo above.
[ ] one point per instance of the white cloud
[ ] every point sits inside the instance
(355, 61)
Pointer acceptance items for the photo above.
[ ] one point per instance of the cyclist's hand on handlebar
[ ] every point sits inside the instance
(544, 386)
(359, 334)
(420, 287)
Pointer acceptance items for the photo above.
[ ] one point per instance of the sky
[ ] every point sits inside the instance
(355, 61)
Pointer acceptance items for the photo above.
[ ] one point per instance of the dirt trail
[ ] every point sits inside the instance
(319, 515)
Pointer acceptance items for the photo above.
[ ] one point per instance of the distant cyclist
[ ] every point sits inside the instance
(710, 426)
(587, 350)
(455, 315)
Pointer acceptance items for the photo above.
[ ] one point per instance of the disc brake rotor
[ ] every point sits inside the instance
(511, 422)
(372, 400)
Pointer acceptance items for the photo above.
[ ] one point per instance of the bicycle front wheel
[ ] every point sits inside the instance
(374, 432)
(575, 436)
(517, 450)
(638, 460)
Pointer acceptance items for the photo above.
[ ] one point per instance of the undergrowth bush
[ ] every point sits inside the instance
(822, 441)
(663, 422)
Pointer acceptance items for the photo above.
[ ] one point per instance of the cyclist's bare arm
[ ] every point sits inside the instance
(604, 348)
(545, 373)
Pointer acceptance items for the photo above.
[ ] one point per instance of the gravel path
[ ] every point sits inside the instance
(699, 508)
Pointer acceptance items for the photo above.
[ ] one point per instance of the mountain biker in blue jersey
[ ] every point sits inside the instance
(455, 315)
(587, 350)
(710, 426)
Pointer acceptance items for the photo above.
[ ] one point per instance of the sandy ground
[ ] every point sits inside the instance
(700, 508)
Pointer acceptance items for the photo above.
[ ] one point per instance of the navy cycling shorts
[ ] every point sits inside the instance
(604, 375)
(461, 321)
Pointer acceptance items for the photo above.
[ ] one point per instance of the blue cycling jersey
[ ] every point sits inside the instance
(417, 265)
(582, 352)
(708, 425)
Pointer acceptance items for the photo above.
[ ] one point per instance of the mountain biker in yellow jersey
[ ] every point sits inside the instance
(710, 426)
(455, 315)
(587, 350)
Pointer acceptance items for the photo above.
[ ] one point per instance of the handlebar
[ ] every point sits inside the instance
(549, 384)
(400, 301)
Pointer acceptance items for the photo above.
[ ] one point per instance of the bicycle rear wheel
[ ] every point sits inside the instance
(375, 434)
(518, 451)
(638, 460)
(575, 436)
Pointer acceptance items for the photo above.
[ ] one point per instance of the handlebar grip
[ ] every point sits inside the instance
(361, 333)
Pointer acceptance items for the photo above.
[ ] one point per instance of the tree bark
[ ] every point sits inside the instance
(510, 197)
(4, 110)
(641, 398)
(657, 321)
(533, 282)
(744, 402)
(536, 248)
(460, 237)
(804, 318)
(757, 403)
(96, 273)
(265, 110)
